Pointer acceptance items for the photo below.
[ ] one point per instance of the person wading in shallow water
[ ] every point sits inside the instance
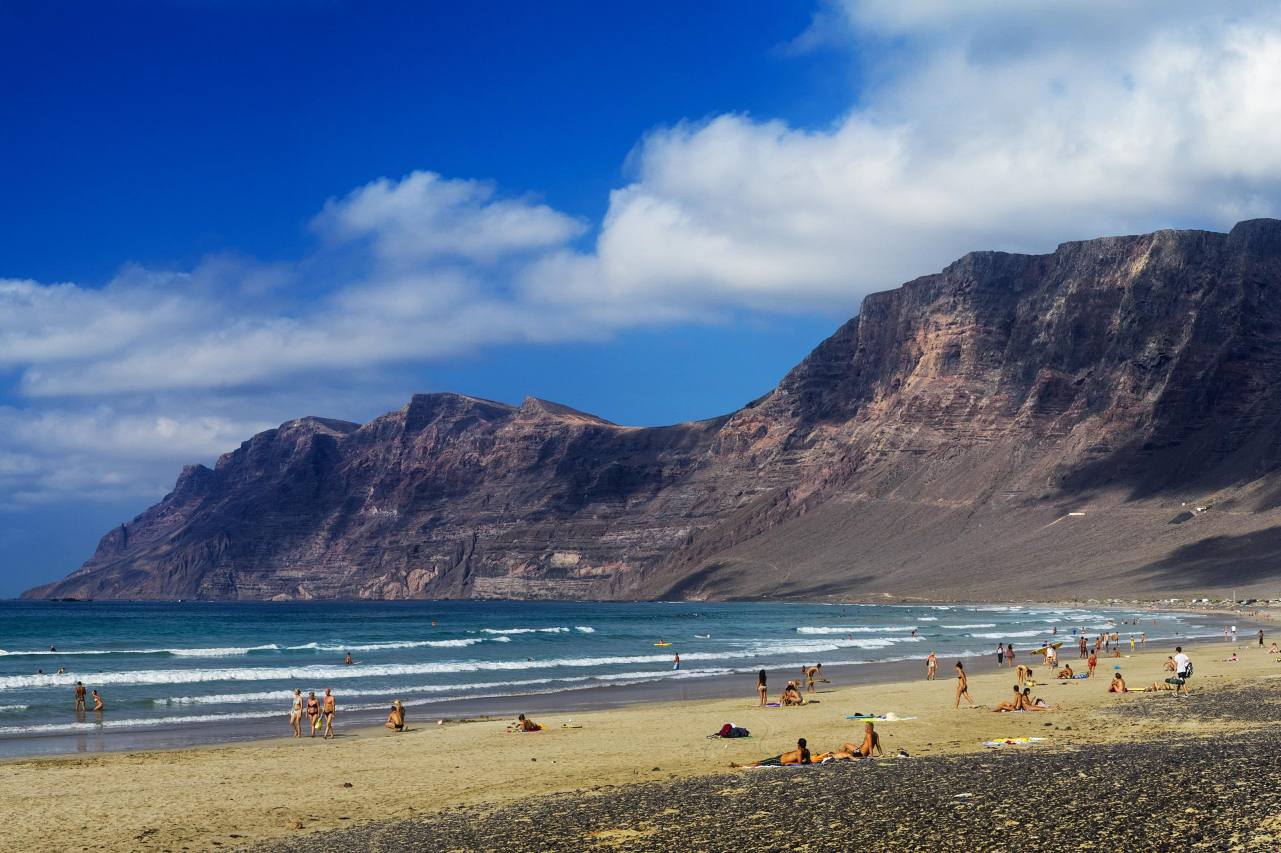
(80, 696)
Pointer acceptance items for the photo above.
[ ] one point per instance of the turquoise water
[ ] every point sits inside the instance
(183, 666)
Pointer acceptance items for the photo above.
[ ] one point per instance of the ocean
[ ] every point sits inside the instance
(181, 673)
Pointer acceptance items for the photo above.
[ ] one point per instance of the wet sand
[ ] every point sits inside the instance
(222, 797)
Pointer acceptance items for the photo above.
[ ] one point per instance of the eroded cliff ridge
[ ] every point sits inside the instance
(1104, 419)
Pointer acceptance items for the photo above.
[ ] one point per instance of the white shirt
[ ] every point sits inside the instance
(1181, 663)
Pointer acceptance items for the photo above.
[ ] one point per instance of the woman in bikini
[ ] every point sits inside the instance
(760, 687)
(962, 686)
(1117, 685)
(295, 713)
(313, 711)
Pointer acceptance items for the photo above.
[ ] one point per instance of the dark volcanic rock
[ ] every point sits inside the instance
(1012, 414)
(1213, 792)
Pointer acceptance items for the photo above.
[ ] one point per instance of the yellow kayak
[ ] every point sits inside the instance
(662, 644)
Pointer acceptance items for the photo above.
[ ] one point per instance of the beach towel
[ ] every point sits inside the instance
(878, 718)
(1012, 741)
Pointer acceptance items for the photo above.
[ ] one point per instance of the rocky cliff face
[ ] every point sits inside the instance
(1012, 426)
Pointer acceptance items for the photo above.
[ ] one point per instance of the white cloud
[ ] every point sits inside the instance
(425, 216)
(1007, 124)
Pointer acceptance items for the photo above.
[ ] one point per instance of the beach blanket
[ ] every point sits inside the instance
(878, 718)
(1012, 741)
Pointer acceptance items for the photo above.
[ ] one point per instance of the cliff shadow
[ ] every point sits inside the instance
(1218, 561)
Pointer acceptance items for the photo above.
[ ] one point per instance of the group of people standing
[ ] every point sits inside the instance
(98, 704)
(318, 712)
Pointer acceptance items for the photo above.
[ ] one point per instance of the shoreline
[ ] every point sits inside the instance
(272, 789)
(561, 701)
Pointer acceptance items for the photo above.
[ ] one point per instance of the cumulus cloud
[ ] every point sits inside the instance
(1006, 124)
(426, 216)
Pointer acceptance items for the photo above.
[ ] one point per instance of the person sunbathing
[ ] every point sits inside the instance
(1066, 671)
(791, 695)
(1273, 650)
(800, 755)
(1118, 684)
(526, 725)
(1027, 703)
(1158, 687)
(1169, 664)
(871, 741)
(396, 719)
(1014, 704)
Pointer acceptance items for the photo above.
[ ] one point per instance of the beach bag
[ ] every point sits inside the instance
(726, 731)
(1187, 673)
(739, 731)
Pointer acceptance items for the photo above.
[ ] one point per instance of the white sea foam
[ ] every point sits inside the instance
(4, 708)
(979, 625)
(325, 673)
(1002, 636)
(226, 652)
(524, 630)
(853, 629)
(928, 618)
(586, 629)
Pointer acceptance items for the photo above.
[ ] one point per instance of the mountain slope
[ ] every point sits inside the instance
(1014, 425)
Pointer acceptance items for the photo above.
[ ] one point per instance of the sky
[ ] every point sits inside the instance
(217, 216)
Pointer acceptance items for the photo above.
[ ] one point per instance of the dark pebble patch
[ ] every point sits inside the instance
(1217, 792)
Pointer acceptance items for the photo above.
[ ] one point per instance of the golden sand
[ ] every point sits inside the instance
(204, 798)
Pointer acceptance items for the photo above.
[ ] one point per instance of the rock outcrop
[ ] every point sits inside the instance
(1101, 420)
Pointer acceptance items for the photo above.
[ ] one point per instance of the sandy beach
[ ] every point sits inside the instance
(209, 798)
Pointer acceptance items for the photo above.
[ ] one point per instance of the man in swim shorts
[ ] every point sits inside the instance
(871, 741)
(328, 708)
(80, 696)
(800, 755)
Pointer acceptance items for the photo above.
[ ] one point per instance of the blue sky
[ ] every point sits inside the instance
(220, 215)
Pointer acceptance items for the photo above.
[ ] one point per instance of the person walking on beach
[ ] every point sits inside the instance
(676, 664)
(295, 713)
(328, 709)
(962, 686)
(1093, 661)
(761, 688)
(1000, 655)
(931, 666)
(1084, 654)
(1009, 655)
(80, 696)
(1260, 638)
(313, 712)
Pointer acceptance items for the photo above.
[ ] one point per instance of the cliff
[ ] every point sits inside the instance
(1099, 420)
